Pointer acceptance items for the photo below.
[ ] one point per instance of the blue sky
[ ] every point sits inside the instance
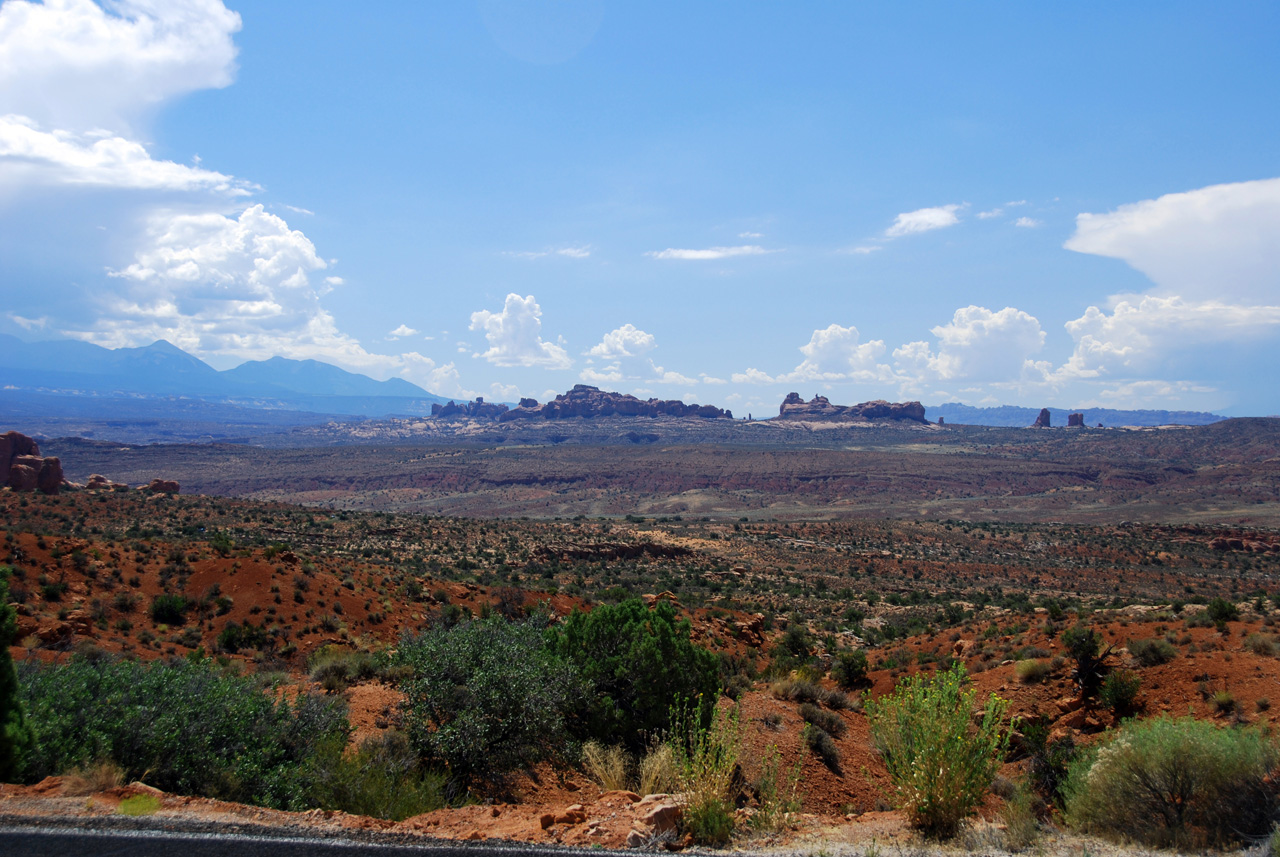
(999, 203)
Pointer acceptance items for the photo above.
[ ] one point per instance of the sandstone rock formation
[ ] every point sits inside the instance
(479, 409)
(1044, 420)
(588, 402)
(162, 486)
(23, 467)
(820, 409)
(98, 482)
(1075, 420)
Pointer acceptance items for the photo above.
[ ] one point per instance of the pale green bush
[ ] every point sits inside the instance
(1182, 782)
(940, 762)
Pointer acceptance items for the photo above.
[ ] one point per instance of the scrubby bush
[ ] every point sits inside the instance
(169, 609)
(637, 664)
(820, 742)
(849, 668)
(15, 735)
(1152, 652)
(1049, 760)
(777, 792)
(1183, 782)
(827, 721)
(706, 761)
(940, 762)
(1262, 644)
(797, 690)
(1032, 671)
(1221, 611)
(1085, 647)
(1119, 691)
(484, 698)
(384, 778)
(189, 727)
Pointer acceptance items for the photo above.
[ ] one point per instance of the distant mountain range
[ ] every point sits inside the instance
(68, 367)
(1008, 415)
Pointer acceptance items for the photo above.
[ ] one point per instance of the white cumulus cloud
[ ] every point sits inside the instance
(1220, 242)
(514, 336)
(977, 344)
(32, 156)
(835, 353)
(75, 64)
(401, 331)
(1143, 336)
(625, 341)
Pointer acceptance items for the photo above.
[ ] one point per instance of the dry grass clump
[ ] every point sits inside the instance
(658, 773)
(1032, 671)
(606, 765)
(95, 778)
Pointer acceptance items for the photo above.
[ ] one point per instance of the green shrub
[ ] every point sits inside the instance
(1084, 646)
(1167, 782)
(1221, 610)
(637, 663)
(1049, 760)
(189, 727)
(849, 668)
(1152, 652)
(15, 734)
(384, 779)
(169, 609)
(940, 763)
(484, 698)
(1120, 691)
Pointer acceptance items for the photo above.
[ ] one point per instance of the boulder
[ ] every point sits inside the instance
(1044, 420)
(162, 486)
(98, 482)
(24, 476)
(49, 479)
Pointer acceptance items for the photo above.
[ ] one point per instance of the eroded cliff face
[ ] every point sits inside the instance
(819, 408)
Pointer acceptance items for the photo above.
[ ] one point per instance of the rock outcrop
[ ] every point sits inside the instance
(162, 486)
(24, 469)
(588, 402)
(820, 409)
(479, 409)
(1075, 420)
(1044, 420)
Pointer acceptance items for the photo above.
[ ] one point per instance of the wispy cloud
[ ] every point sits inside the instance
(710, 253)
(923, 220)
(1027, 222)
(565, 252)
